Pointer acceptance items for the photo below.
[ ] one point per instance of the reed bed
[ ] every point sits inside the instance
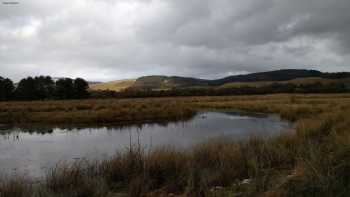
(111, 111)
(312, 161)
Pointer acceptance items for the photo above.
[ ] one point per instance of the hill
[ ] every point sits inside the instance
(286, 75)
(161, 82)
(297, 81)
(277, 75)
(165, 82)
(117, 86)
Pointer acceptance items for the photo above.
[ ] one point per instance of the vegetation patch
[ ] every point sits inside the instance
(313, 161)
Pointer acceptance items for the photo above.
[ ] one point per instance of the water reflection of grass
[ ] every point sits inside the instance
(49, 128)
(313, 161)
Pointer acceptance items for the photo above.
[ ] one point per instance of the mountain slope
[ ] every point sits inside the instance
(160, 82)
(165, 82)
(277, 75)
(117, 86)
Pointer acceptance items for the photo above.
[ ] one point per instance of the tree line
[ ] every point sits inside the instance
(43, 88)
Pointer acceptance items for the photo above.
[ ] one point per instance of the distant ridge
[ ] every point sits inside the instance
(165, 82)
(161, 82)
(277, 75)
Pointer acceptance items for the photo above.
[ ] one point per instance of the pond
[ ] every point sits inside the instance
(31, 152)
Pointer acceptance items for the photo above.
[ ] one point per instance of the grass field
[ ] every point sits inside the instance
(312, 161)
(163, 84)
(107, 111)
(113, 85)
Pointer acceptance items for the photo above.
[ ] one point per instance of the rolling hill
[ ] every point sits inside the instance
(165, 82)
(297, 81)
(117, 86)
(287, 75)
(160, 82)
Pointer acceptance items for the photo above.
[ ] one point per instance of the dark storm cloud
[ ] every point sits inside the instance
(106, 39)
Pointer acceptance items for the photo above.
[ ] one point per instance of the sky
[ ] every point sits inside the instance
(103, 40)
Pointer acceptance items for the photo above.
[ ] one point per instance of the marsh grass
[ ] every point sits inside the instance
(93, 111)
(15, 187)
(312, 161)
(291, 107)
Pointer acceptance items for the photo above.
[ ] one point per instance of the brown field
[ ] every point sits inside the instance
(314, 160)
(116, 111)
(117, 86)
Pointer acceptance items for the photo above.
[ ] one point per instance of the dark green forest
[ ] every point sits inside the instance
(43, 88)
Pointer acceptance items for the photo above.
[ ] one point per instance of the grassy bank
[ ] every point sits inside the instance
(93, 111)
(112, 111)
(313, 161)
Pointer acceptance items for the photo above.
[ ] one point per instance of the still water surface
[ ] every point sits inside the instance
(33, 151)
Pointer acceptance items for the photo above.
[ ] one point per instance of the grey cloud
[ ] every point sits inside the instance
(106, 39)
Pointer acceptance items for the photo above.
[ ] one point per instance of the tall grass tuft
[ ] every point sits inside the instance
(15, 187)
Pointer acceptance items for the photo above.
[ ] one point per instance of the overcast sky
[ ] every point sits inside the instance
(117, 39)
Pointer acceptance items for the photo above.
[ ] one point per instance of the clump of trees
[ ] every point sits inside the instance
(6, 89)
(43, 88)
(67, 88)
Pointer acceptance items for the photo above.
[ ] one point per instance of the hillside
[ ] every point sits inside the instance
(165, 82)
(161, 82)
(117, 86)
(277, 75)
(297, 81)
(287, 75)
